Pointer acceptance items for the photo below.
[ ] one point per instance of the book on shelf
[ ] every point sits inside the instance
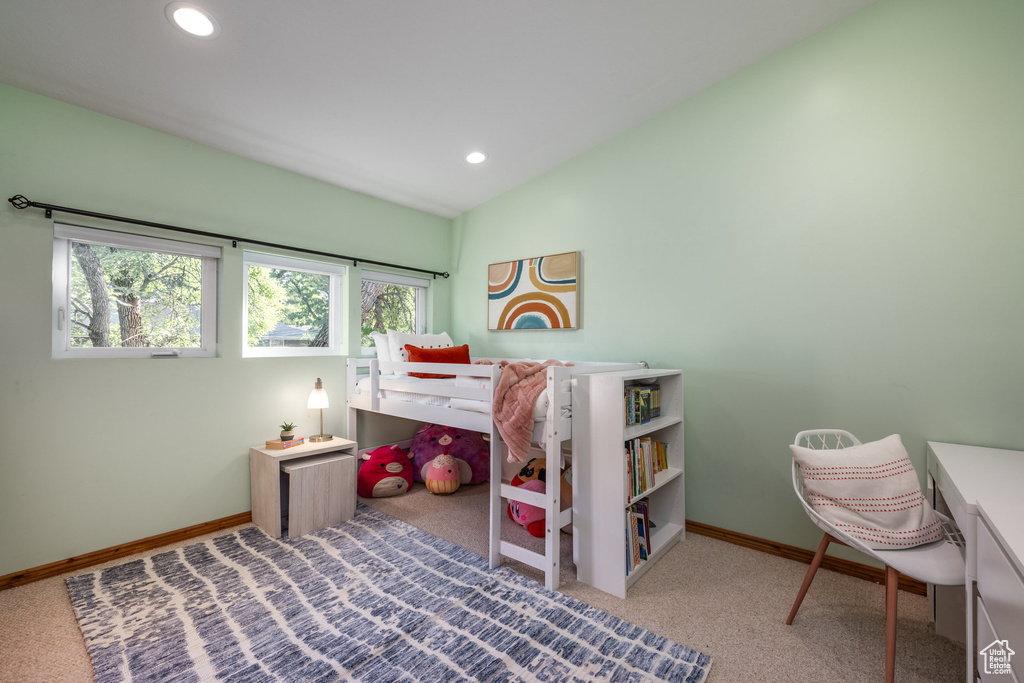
(641, 532)
(638, 535)
(629, 474)
(279, 445)
(642, 403)
(645, 457)
(642, 509)
(633, 558)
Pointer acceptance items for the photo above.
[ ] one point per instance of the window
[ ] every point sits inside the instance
(118, 295)
(392, 302)
(292, 306)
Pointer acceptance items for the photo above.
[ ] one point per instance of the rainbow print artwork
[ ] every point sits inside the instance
(534, 294)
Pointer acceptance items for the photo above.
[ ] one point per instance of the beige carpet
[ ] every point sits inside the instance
(728, 601)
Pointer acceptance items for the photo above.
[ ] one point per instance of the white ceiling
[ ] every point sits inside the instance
(386, 97)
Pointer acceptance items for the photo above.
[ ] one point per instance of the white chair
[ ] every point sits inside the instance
(939, 563)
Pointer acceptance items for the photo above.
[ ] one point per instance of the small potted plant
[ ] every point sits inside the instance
(287, 431)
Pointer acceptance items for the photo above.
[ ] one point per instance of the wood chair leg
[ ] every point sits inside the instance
(891, 591)
(815, 563)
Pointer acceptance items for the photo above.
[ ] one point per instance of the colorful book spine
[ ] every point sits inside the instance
(641, 533)
(633, 558)
(642, 403)
(645, 457)
(639, 547)
(642, 511)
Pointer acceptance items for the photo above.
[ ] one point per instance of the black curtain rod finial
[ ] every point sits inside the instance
(20, 201)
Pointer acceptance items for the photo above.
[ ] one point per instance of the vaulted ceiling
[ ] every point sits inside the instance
(387, 97)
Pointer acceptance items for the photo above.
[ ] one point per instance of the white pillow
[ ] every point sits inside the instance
(870, 492)
(398, 340)
(380, 342)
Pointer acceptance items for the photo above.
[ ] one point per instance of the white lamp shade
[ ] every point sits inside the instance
(317, 399)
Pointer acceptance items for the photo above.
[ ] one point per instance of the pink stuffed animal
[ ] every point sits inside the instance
(442, 475)
(385, 472)
(530, 516)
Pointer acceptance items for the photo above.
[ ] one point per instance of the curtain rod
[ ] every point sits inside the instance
(21, 202)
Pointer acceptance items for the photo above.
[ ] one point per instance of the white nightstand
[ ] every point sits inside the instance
(319, 481)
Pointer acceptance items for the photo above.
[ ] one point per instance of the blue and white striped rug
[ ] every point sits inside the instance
(373, 599)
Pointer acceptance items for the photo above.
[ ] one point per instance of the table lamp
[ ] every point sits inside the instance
(318, 399)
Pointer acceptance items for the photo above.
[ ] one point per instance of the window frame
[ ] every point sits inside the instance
(335, 271)
(64, 234)
(421, 285)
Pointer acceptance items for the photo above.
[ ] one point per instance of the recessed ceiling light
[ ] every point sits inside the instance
(192, 20)
(475, 157)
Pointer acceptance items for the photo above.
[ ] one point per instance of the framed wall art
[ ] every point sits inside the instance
(539, 293)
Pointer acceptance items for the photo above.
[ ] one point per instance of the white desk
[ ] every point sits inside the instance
(983, 489)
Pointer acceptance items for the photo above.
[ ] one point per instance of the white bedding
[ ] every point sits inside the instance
(542, 430)
(540, 408)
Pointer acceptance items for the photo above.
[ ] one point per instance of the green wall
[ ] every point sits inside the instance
(831, 238)
(97, 453)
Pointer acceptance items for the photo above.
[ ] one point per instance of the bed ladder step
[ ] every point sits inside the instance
(517, 552)
(534, 498)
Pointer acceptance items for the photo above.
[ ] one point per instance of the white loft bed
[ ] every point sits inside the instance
(473, 392)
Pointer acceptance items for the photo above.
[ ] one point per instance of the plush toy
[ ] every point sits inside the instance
(385, 472)
(536, 470)
(533, 469)
(469, 449)
(530, 516)
(442, 475)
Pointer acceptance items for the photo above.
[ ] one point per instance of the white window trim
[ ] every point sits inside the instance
(318, 267)
(63, 235)
(421, 285)
(392, 279)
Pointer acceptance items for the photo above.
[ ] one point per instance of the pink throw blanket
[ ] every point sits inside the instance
(517, 391)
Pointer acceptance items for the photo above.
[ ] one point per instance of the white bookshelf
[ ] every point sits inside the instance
(600, 495)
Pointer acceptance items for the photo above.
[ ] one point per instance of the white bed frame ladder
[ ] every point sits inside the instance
(559, 416)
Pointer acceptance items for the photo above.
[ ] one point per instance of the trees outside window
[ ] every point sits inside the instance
(392, 302)
(291, 306)
(121, 295)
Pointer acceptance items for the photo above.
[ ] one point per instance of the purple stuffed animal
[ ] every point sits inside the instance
(468, 448)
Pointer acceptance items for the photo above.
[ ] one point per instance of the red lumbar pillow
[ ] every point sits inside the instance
(451, 354)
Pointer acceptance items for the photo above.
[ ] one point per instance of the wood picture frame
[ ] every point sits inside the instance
(540, 293)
